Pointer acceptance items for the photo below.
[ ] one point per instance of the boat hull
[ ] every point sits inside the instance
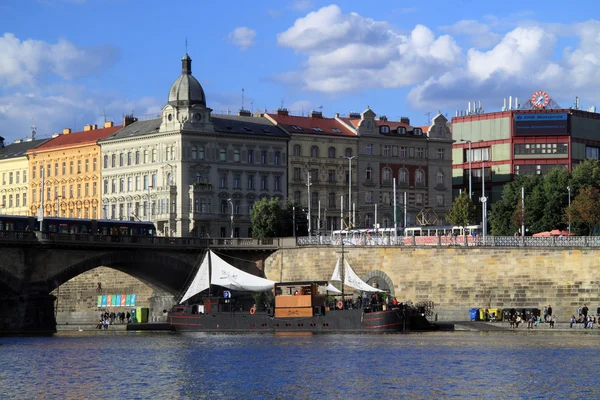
(338, 321)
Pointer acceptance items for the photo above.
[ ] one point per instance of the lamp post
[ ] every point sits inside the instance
(483, 200)
(149, 187)
(231, 204)
(569, 190)
(294, 220)
(470, 158)
(350, 158)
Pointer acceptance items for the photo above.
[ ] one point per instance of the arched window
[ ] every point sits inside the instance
(440, 178)
(384, 129)
(386, 174)
(348, 152)
(201, 153)
(403, 175)
(194, 152)
(169, 179)
(222, 155)
(198, 177)
(314, 151)
(332, 152)
(332, 197)
(297, 150)
(419, 177)
(368, 173)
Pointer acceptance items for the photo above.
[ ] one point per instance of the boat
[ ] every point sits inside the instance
(299, 306)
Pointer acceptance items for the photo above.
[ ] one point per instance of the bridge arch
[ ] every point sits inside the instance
(382, 280)
(9, 283)
(158, 270)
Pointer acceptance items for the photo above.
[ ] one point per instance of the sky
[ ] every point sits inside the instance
(68, 63)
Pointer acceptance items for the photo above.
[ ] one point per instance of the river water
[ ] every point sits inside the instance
(127, 365)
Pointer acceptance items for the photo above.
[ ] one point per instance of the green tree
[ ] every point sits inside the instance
(274, 218)
(501, 219)
(585, 209)
(586, 174)
(462, 212)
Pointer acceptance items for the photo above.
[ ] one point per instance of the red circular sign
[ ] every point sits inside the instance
(540, 99)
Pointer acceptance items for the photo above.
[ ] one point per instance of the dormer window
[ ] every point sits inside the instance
(401, 130)
(318, 129)
(296, 127)
(384, 129)
(336, 130)
(418, 132)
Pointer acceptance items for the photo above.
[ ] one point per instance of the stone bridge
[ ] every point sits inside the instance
(32, 266)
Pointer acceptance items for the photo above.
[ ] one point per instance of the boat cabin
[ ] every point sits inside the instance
(299, 299)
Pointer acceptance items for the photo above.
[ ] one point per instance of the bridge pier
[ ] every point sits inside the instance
(27, 313)
(158, 305)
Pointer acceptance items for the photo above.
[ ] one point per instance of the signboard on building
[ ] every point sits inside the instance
(541, 124)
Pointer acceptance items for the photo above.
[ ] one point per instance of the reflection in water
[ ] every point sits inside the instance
(233, 366)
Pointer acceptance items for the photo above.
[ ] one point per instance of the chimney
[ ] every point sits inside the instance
(94, 127)
(128, 120)
(108, 124)
(1, 142)
(282, 111)
(383, 118)
(353, 115)
(510, 102)
(244, 113)
(405, 120)
(316, 114)
(337, 115)
(66, 131)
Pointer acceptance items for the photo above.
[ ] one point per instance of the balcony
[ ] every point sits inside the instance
(201, 187)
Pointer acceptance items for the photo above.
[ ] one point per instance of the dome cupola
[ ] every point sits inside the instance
(186, 90)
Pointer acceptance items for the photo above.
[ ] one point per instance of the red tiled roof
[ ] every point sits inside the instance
(311, 125)
(424, 128)
(76, 138)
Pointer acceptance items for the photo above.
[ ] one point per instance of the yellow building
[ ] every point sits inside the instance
(14, 169)
(70, 167)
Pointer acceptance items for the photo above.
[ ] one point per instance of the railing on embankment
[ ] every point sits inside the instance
(469, 241)
(61, 239)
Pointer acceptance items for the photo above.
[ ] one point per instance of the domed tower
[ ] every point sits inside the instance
(186, 108)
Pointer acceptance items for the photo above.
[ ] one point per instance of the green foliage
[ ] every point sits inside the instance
(274, 218)
(585, 209)
(462, 212)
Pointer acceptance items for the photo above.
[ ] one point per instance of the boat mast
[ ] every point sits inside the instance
(209, 271)
(343, 266)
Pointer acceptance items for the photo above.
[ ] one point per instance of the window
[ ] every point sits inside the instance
(87, 165)
(263, 156)
(49, 170)
(369, 173)
(419, 177)
(417, 131)
(297, 174)
(314, 151)
(236, 155)
(201, 153)
(387, 150)
(95, 189)
(331, 201)
(420, 153)
(297, 197)
(129, 184)
(277, 183)
(439, 199)
(145, 156)
(403, 175)
(384, 129)
(94, 162)
(481, 154)
(34, 175)
(386, 174)
(114, 160)
(71, 190)
(277, 158)
(153, 180)
(440, 154)
(314, 175)
(18, 177)
(24, 178)
(368, 196)
(10, 201)
(138, 180)
(548, 148)
(87, 189)
(153, 155)
(250, 156)
(105, 164)
(71, 167)
(24, 199)
(146, 185)
(297, 150)
(198, 177)
(251, 182)
(419, 199)
(17, 200)
(440, 178)
(331, 152)
(169, 179)
(263, 182)
(314, 199)
(34, 193)
(369, 149)
(236, 181)
(222, 154)
(56, 169)
(331, 174)
(194, 152)
(137, 157)
(129, 158)
(121, 185)
(10, 178)
(348, 152)
(401, 130)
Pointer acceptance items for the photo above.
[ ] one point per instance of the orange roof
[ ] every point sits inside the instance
(76, 139)
(311, 125)
(425, 128)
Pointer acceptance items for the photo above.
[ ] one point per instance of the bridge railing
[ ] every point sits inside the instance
(469, 241)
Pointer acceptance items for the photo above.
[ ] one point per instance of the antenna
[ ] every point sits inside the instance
(282, 100)
(33, 132)
(242, 98)
(186, 45)
(428, 118)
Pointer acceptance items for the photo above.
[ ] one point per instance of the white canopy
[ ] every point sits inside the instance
(332, 288)
(352, 280)
(226, 275)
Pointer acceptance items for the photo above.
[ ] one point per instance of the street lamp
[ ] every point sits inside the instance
(569, 190)
(350, 158)
(483, 200)
(470, 158)
(231, 204)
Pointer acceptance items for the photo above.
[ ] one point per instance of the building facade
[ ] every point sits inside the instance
(420, 162)
(64, 174)
(14, 170)
(193, 173)
(319, 150)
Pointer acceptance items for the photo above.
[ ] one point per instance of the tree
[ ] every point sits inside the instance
(501, 219)
(462, 212)
(274, 218)
(585, 208)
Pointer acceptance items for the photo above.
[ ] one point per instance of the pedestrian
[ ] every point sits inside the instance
(549, 311)
(545, 314)
(573, 320)
(584, 311)
(128, 317)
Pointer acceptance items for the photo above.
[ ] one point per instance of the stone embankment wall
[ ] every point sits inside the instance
(77, 299)
(456, 279)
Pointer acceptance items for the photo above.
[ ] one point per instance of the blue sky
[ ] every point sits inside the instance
(65, 63)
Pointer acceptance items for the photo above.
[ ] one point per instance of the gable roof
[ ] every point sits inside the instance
(312, 125)
(137, 128)
(20, 149)
(260, 126)
(392, 124)
(77, 138)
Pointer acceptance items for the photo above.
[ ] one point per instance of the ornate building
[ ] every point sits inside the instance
(66, 172)
(191, 172)
(14, 169)
(320, 148)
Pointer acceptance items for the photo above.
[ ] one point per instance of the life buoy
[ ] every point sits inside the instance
(252, 310)
(340, 305)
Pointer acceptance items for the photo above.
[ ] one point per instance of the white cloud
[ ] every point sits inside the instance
(349, 52)
(242, 37)
(302, 5)
(479, 34)
(28, 61)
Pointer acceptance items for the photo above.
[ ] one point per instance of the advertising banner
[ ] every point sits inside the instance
(133, 300)
(104, 301)
(541, 124)
(99, 301)
(118, 302)
(128, 301)
(122, 302)
(114, 300)
(109, 300)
